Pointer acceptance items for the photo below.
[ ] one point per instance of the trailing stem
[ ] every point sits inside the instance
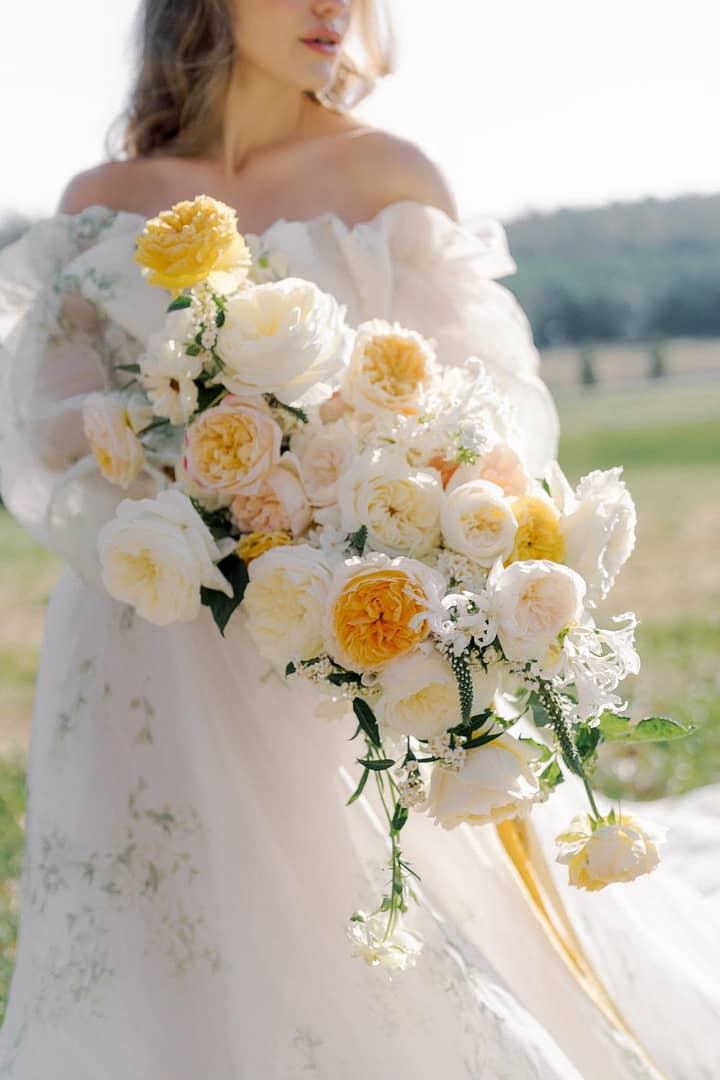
(563, 733)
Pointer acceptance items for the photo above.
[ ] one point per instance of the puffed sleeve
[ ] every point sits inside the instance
(417, 266)
(73, 308)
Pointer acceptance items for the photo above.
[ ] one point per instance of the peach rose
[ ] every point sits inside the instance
(533, 602)
(109, 432)
(279, 505)
(501, 466)
(231, 448)
(324, 456)
(388, 370)
(378, 610)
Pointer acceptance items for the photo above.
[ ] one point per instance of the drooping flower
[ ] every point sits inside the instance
(619, 847)
(396, 951)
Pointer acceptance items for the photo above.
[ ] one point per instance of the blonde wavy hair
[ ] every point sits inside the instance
(186, 54)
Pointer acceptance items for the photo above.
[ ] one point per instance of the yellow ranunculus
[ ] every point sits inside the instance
(252, 545)
(186, 244)
(538, 533)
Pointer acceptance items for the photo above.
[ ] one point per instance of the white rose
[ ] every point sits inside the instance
(533, 601)
(496, 782)
(324, 455)
(285, 601)
(400, 506)
(109, 432)
(478, 522)
(599, 531)
(156, 555)
(281, 338)
(420, 694)
(389, 369)
(616, 850)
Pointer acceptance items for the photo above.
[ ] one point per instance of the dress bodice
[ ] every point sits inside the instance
(74, 307)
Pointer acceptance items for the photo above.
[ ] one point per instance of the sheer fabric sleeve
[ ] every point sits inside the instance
(71, 311)
(440, 280)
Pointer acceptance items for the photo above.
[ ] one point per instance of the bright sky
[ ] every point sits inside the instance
(523, 103)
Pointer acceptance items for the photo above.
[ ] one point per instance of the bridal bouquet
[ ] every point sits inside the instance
(372, 512)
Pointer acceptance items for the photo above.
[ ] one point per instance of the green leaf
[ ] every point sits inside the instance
(540, 716)
(193, 349)
(399, 817)
(359, 789)
(376, 764)
(180, 303)
(209, 395)
(552, 774)
(544, 752)
(482, 740)
(220, 319)
(222, 606)
(357, 540)
(290, 669)
(617, 728)
(366, 720)
(586, 740)
(133, 368)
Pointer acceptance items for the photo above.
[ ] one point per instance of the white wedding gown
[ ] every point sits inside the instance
(191, 864)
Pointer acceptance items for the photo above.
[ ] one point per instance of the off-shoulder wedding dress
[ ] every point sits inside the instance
(190, 862)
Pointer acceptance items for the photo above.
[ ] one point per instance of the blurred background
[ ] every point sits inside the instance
(586, 128)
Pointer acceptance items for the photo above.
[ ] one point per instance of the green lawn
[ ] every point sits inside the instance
(670, 447)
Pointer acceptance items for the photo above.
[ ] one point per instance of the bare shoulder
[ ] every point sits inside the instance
(115, 184)
(398, 170)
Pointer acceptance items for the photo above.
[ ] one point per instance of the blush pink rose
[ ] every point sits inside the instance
(231, 448)
(500, 466)
(280, 504)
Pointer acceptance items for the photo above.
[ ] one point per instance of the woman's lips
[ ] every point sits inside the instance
(325, 42)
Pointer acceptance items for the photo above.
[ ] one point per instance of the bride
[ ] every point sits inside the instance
(190, 863)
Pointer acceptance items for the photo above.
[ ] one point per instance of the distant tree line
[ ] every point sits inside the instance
(624, 272)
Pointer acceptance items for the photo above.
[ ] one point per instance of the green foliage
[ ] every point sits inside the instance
(222, 607)
(12, 809)
(366, 719)
(357, 540)
(651, 729)
(180, 303)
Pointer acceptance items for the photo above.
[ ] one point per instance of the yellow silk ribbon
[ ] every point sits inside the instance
(534, 879)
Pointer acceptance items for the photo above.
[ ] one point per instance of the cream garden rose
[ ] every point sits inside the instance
(533, 601)
(477, 521)
(281, 338)
(496, 782)
(156, 555)
(109, 432)
(232, 448)
(400, 506)
(420, 694)
(285, 601)
(389, 369)
(615, 850)
(324, 455)
(599, 530)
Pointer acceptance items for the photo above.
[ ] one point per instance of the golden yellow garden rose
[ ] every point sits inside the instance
(538, 533)
(112, 439)
(184, 245)
(388, 369)
(231, 448)
(378, 610)
(619, 848)
(253, 545)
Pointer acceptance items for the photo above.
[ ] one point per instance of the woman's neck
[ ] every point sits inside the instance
(261, 112)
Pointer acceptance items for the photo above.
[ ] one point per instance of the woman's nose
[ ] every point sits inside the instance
(330, 8)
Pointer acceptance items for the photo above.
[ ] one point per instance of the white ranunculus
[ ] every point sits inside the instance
(616, 850)
(478, 522)
(496, 782)
(533, 601)
(400, 506)
(281, 338)
(599, 532)
(109, 432)
(156, 555)
(420, 694)
(325, 453)
(285, 602)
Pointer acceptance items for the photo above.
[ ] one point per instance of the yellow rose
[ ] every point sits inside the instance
(538, 533)
(388, 369)
(616, 850)
(253, 545)
(231, 449)
(186, 244)
(112, 439)
(378, 610)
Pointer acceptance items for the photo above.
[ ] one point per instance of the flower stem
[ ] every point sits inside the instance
(563, 732)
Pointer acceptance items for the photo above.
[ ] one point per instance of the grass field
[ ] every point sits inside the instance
(667, 435)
